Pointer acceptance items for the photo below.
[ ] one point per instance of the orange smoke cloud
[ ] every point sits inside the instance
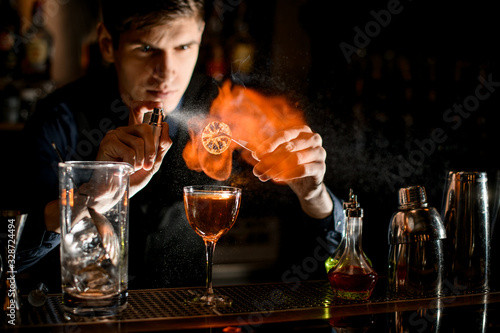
(251, 116)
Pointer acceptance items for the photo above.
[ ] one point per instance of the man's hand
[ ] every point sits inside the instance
(134, 144)
(296, 157)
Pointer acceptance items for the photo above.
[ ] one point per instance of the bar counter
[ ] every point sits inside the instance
(307, 306)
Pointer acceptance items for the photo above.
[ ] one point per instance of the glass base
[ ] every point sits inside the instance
(203, 299)
(94, 307)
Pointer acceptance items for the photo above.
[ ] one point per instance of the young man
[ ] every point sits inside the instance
(152, 47)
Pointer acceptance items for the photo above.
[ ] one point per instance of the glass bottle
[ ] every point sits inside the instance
(9, 42)
(353, 278)
(216, 64)
(333, 260)
(242, 47)
(38, 51)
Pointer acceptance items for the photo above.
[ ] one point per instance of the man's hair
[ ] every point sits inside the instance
(120, 16)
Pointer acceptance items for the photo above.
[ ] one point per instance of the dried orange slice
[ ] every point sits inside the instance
(214, 139)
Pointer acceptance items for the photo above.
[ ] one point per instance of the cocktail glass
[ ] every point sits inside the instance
(211, 211)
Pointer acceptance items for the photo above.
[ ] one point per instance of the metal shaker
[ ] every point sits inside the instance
(416, 249)
(466, 217)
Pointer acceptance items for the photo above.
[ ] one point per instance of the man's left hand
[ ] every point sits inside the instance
(296, 157)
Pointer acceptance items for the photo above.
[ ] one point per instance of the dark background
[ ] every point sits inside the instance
(377, 110)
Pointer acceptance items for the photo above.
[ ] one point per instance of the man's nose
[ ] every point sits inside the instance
(164, 68)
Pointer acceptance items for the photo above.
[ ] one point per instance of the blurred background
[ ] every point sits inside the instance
(392, 86)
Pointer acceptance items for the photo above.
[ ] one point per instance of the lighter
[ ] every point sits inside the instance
(155, 122)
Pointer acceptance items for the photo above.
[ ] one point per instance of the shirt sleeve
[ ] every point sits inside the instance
(329, 230)
(28, 257)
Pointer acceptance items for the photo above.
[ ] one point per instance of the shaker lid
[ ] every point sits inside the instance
(415, 221)
(412, 196)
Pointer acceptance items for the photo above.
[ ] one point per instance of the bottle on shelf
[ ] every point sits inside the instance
(28, 97)
(38, 48)
(9, 42)
(242, 47)
(353, 278)
(10, 103)
(9, 62)
(216, 64)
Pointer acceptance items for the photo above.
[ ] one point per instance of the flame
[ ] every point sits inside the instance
(251, 116)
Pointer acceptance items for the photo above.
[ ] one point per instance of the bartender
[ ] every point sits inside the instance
(152, 49)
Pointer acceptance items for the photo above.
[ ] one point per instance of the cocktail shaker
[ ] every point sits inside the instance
(466, 217)
(416, 249)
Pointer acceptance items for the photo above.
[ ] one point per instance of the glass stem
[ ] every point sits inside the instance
(210, 248)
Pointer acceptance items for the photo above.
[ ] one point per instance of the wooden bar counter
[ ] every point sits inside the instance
(307, 306)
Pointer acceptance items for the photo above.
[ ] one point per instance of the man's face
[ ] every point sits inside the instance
(156, 64)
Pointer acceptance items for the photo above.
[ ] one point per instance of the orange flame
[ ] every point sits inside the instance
(251, 116)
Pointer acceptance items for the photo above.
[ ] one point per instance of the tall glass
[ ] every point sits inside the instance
(467, 221)
(94, 237)
(211, 211)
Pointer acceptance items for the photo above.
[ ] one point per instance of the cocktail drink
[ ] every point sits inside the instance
(211, 211)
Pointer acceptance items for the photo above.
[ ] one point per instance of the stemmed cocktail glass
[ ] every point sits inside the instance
(211, 211)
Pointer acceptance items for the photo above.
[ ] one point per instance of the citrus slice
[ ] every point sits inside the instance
(214, 139)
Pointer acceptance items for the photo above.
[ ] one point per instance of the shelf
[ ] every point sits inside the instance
(14, 127)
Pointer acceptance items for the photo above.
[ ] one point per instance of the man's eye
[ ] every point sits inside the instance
(183, 47)
(146, 48)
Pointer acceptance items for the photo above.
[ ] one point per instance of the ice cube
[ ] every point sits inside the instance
(93, 277)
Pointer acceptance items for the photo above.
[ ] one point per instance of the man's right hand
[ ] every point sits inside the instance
(134, 144)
